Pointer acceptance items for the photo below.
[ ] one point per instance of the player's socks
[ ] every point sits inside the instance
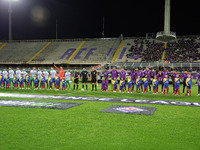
(66, 86)
(95, 87)
(69, 86)
(83, 86)
(149, 89)
(164, 91)
(86, 86)
(92, 87)
(141, 88)
(167, 90)
(77, 87)
(74, 86)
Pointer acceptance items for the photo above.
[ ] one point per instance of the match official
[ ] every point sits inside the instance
(76, 77)
(93, 78)
(84, 78)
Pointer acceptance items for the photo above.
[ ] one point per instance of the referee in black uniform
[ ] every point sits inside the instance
(84, 78)
(76, 76)
(93, 78)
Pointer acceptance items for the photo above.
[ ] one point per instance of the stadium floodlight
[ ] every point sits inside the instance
(166, 35)
(10, 17)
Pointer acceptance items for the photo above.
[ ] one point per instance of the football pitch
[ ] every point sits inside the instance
(85, 127)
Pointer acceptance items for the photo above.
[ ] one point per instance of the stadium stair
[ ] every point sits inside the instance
(2, 46)
(78, 48)
(38, 52)
(163, 56)
(117, 51)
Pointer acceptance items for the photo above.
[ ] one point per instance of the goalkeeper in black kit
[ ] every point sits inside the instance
(93, 78)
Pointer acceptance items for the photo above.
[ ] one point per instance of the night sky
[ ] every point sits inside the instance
(36, 19)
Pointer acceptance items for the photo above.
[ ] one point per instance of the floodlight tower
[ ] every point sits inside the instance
(10, 17)
(166, 35)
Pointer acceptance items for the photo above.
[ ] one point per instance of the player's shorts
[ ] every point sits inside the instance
(155, 87)
(149, 82)
(138, 86)
(32, 79)
(114, 87)
(11, 79)
(67, 81)
(84, 80)
(166, 87)
(176, 88)
(94, 80)
(122, 87)
(76, 81)
(145, 86)
(189, 87)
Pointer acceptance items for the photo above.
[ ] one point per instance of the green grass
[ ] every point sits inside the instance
(84, 127)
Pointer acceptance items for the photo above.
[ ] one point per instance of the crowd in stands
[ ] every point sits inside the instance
(182, 50)
(153, 52)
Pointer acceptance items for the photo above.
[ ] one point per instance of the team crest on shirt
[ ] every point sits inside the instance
(130, 109)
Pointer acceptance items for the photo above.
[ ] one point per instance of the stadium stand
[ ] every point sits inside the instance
(93, 52)
(131, 51)
(57, 52)
(19, 52)
(100, 51)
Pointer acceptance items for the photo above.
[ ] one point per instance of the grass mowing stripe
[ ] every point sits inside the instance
(85, 128)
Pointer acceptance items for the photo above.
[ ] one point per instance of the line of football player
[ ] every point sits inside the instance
(143, 80)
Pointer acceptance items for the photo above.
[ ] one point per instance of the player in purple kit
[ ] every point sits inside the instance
(106, 73)
(123, 75)
(198, 88)
(198, 78)
(139, 73)
(173, 76)
(133, 75)
(163, 73)
(184, 77)
(114, 74)
(148, 73)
